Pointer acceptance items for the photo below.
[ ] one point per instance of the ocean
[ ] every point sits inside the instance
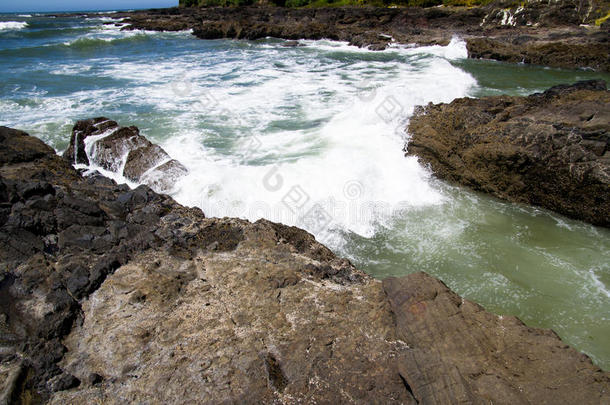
(313, 136)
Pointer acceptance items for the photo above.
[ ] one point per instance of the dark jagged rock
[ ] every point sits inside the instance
(17, 148)
(549, 149)
(561, 33)
(123, 148)
(82, 129)
(61, 235)
(142, 159)
(114, 295)
(564, 54)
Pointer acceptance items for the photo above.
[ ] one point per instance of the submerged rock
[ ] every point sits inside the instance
(123, 150)
(123, 296)
(550, 149)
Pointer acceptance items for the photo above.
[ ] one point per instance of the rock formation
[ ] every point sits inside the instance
(123, 150)
(550, 149)
(112, 295)
(561, 33)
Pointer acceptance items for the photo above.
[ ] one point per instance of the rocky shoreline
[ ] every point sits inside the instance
(549, 149)
(116, 295)
(560, 34)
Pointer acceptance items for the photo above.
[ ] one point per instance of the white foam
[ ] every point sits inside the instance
(91, 152)
(12, 25)
(72, 69)
(456, 49)
(597, 283)
(111, 33)
(25, 15)
(104, 19)
(351, 165)
(333, 136)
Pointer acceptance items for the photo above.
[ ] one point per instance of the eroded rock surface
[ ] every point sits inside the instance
(550, 149)
(102, 142)
(484, 358)
(112, 295)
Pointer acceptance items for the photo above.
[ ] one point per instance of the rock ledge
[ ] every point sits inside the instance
(550, 149)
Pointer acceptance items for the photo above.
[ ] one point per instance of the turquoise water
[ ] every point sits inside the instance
(313, 136)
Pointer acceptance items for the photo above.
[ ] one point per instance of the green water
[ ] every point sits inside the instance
(550, 271)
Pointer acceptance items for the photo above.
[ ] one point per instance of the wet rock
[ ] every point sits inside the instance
(123, 149)
(143, 300)
(541, 13)
(557, 54)
(292, 44)
(109, 152)
(76, 153)
(142, 159)
(164, 176)
(549, 149)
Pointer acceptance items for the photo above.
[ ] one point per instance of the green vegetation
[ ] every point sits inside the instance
(600, 21)
(223, 3)
(334, 3)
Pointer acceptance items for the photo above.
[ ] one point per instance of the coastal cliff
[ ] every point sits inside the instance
(115, 295)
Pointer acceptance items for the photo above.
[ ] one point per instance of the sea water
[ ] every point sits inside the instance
(313, 136)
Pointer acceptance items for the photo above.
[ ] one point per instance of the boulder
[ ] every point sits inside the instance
(550, 149)
(123, 150)
(111, 150)
(164, 176)
(76, 153)
(142, 159)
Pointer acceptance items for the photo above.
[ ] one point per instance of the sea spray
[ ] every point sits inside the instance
(359, 141)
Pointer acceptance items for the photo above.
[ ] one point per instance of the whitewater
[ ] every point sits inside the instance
(12, 25)
(313, 136)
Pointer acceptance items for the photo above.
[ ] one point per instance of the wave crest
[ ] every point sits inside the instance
(92, 42)
(12, 25)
